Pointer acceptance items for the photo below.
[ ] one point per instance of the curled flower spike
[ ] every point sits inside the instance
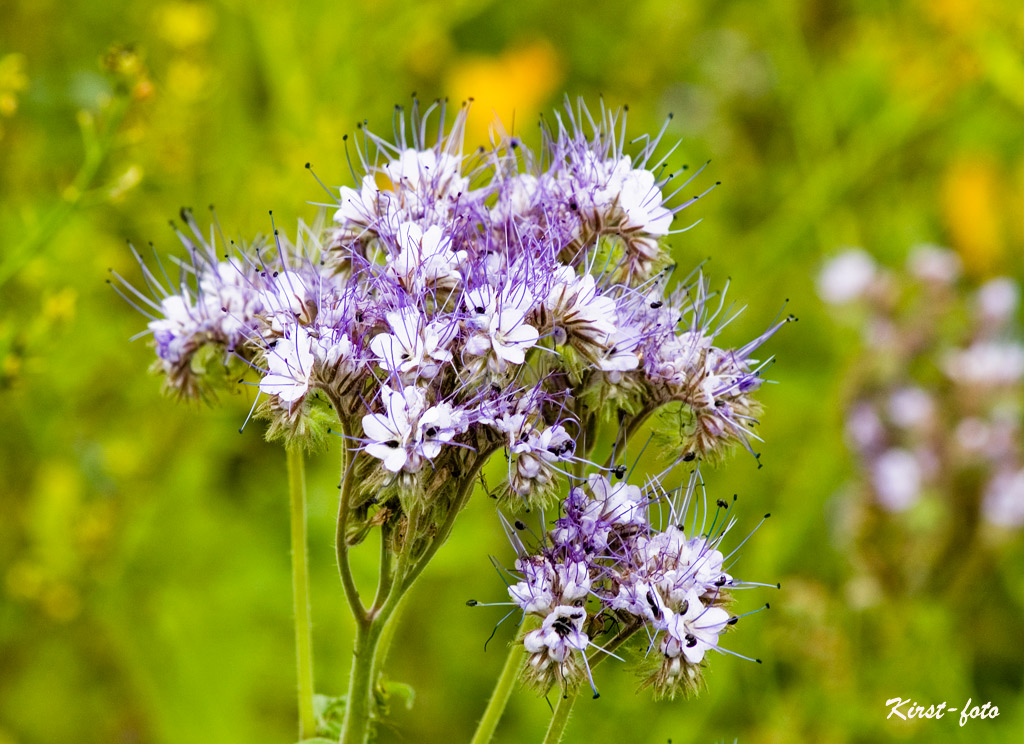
(604, 572)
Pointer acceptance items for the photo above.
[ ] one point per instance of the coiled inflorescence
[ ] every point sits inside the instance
(605, 571)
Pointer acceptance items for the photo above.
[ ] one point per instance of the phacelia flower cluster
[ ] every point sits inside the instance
(936, 406)
(604, 574)
(459, 304)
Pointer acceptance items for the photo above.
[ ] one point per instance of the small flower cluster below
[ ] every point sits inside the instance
(604, 570)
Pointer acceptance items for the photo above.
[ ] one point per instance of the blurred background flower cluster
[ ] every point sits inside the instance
(144, 582)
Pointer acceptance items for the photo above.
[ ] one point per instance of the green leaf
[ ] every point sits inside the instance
(330, 714)
(401, 690)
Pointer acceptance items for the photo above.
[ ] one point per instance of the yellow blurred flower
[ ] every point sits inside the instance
(185, 24)
(511, 87)
(187, 79)
(971, 190)
(13, 81)
(24, 580)
(960, 17)
(60, 306)
(62, 601)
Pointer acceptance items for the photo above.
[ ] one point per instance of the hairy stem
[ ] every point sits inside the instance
(504, 686)
(300, 588)
(359, 708)
(561, 715)
(374, 634)
(341, 539)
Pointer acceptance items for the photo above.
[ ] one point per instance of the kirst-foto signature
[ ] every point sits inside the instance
(907, 708)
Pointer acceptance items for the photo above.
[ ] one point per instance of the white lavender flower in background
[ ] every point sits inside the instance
(1003, 500)
(934, 264)
(997, 301)
(933, 412)
(847, 277)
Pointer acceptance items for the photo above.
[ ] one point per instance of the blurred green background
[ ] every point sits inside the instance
(144, 560)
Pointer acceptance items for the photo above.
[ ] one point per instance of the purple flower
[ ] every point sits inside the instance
(409, 430)
(289, 366)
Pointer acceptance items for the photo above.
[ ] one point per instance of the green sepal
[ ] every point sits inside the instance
(217, 368)
(676, 427)
(309, 426)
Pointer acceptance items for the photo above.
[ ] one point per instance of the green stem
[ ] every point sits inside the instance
(625, 434)
(300, 589)
(504, 686)
(366, 665)
(373, 637)
(341, 538)
(358, 715)
(97, 149)
(441, 536)
(561, 716)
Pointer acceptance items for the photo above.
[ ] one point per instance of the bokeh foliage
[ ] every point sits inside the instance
(144, 586)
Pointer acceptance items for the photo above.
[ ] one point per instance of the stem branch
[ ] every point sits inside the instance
(340, 537)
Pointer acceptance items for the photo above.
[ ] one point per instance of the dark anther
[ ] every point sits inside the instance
(562, 627)
(691, 640)
(653, 603)
(689, 457)
(619, 471)
(520, 525)
(431, 432)
(656, 304)
(722, 504)
(392, 443)
(732, 620)
(471, 603)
